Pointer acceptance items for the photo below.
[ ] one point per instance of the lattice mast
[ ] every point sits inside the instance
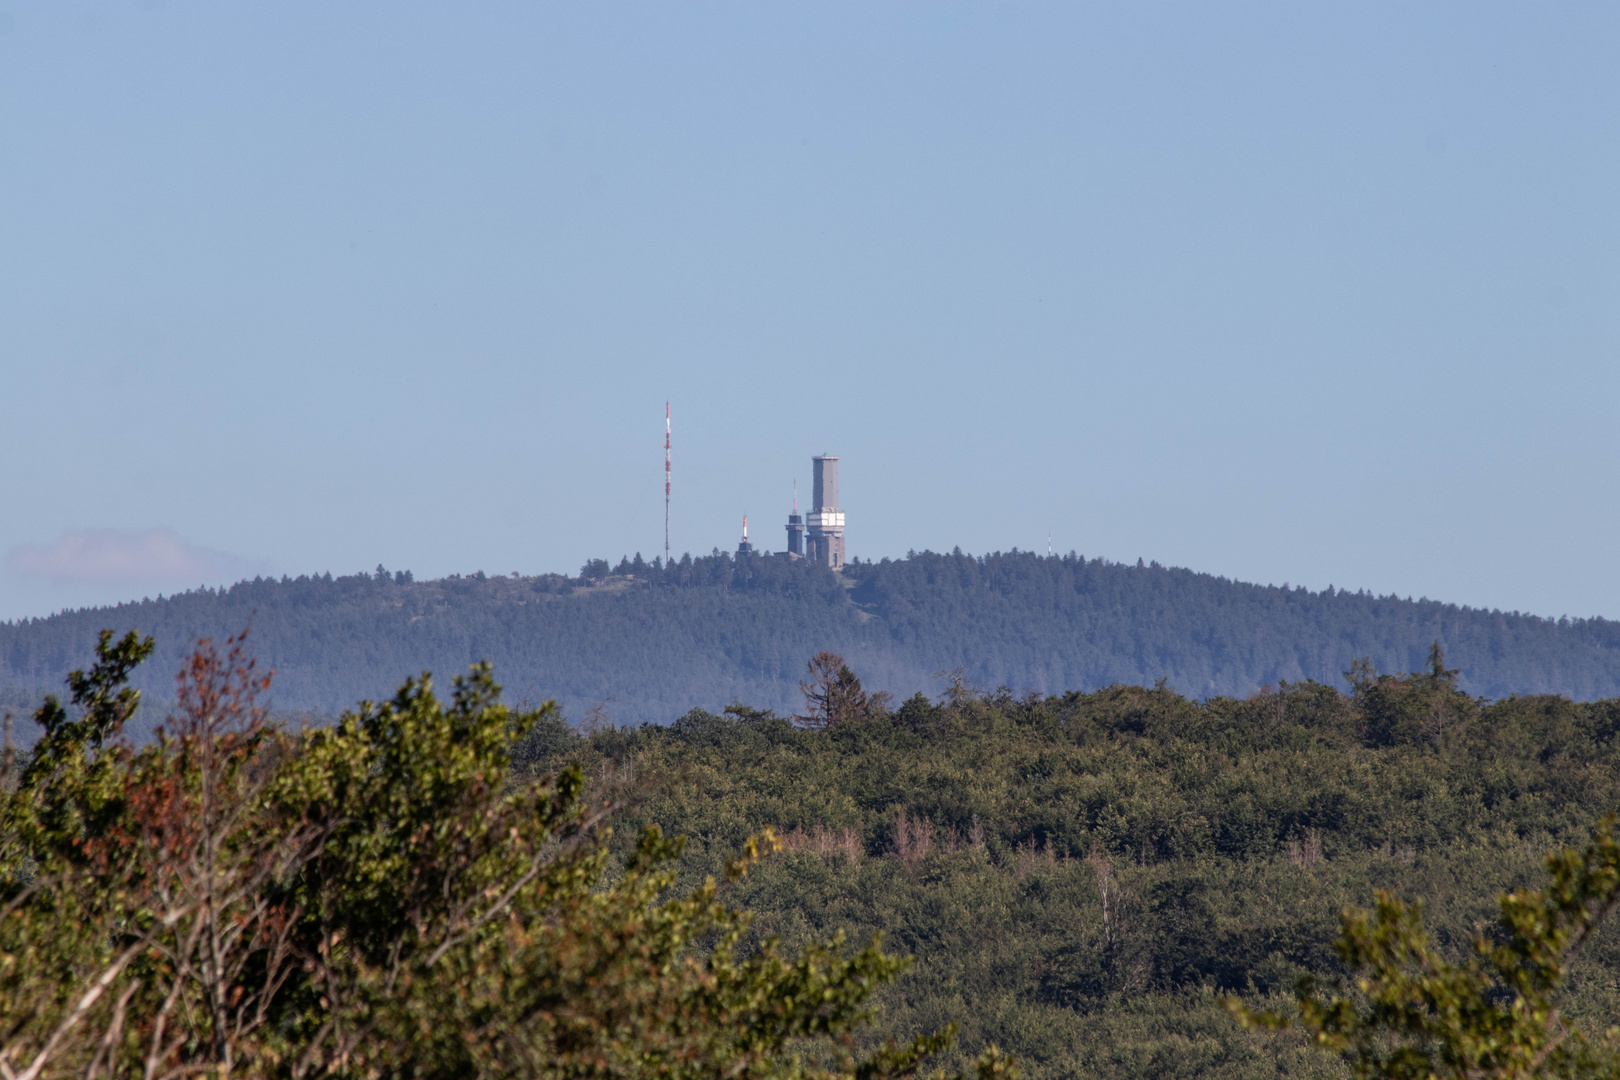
(666, 483)
(795, 525)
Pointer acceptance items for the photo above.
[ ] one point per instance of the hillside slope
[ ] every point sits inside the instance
(708, 631)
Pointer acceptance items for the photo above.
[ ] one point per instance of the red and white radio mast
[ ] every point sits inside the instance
(666, 483)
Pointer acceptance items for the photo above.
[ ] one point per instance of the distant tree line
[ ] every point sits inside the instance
(646, 641)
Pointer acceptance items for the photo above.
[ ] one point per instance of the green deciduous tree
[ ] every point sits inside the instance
(377, 898)
(1417, 708)
(1412, 1014)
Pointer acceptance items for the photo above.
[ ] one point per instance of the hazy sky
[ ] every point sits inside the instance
(1278, 292)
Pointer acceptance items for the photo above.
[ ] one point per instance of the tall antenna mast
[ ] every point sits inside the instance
(666, 483)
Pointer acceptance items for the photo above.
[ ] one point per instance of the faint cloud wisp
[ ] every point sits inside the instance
(112, 557)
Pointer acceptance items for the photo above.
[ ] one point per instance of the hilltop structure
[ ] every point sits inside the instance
(795, 526)
(825, 539)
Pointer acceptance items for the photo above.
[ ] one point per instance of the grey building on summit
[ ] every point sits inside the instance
(795, 529)
(825, 522)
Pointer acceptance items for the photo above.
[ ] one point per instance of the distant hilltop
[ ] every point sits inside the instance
(647, 641)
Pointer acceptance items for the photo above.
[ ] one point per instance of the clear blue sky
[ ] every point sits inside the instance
(1294, 292)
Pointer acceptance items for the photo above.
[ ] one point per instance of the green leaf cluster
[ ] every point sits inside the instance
(1410, 1013)
(381, 897)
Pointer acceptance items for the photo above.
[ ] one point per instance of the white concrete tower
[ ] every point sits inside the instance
(825, 522)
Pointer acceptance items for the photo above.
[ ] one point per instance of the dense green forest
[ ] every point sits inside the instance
(380, 897)
(1091, 881)
(1083, 877)
(652, 641)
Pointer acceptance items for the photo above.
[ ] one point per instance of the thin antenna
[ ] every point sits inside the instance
(666, 483)
(1048, 545)
(795, 494)
(745, 528)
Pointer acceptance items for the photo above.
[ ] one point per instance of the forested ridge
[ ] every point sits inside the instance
(648, 641)
(1083, 878)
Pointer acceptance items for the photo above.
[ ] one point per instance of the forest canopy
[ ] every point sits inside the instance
(381, 897)
(1086, 878)
(1098, 883)
(641, 641)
